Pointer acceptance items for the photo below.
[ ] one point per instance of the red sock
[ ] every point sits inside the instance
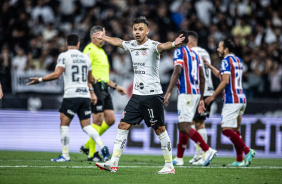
(236, 140)
(182, 143)
(197, 138)
(239, 156)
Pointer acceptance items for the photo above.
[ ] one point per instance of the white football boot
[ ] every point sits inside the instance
(209, 155)
(107, 166)
(178, 161)
(167, 169)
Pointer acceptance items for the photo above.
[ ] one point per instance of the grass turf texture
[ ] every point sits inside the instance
(36, 167)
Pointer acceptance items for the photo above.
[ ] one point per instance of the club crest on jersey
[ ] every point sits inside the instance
(144, 52)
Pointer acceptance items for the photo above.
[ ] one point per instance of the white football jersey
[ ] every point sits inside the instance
(146, 61)
(76, 66)
(207, 72)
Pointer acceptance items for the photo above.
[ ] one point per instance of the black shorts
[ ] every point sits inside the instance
(81, 106)
(104, 101)
(149, 107)
(204, 115)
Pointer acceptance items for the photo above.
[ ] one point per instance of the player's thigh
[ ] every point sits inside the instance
(109, 116)
(229, 115)
(152, 110)
(65, 120)
(187, 105)
(131, 113)
(84, 110)
(69, 107)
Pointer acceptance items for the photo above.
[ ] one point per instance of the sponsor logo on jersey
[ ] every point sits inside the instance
(138, 64)
(139, 72)
(127, 42)
(70, 112)
(210, 89)
(137, 53)
(154, 43)
(76, 55)
(179, 112)
(81, 90)
(133, 44)
(87, 112)
(139, 86)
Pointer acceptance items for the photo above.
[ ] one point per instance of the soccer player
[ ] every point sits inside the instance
(234, 99)
(102, 112)
(189, 76)
(77, 70)
(146, 102)
(198, 122)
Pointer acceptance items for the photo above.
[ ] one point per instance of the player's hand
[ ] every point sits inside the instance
(209, 100)
(206, 62)
(34, 80)
(166, 97)
(1, 92)
(100, 34)
(201, 107)
(179, 40)
(93, 98)
(121, 90)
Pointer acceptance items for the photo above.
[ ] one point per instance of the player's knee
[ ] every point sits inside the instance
(160, 130)
(184, 127)
(124, 126)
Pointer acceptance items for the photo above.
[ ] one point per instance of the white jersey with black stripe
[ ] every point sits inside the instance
(207, 72)
(76, 66)
(146, 61)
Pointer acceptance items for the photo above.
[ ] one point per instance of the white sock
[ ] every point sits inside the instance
(94, 135)
(203, 133)
(65, 139)
(120, 142)
(166, 147)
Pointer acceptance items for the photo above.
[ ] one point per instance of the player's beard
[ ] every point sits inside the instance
(221, 55)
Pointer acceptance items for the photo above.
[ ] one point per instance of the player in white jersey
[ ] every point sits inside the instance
(199, 119)
(147, 99)
(78, 77)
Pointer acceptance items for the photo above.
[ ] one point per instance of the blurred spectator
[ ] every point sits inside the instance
(44, 11)
(5, 69)
(204, 10)
(19, 62)
(166, 69)
(242, 30)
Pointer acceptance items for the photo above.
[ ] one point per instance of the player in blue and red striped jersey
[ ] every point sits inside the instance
(234, 99)
(189, 76)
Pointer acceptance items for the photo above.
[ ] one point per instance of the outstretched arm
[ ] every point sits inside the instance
(174, 77)
(52, 76)
(1, 92)
(169, 45)
(113, 41)
(213, 69)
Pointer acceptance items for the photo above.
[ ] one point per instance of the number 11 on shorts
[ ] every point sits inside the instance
(151, 113)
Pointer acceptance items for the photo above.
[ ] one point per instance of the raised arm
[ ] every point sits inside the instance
(169, 45)
(113, 41)
(213, 69)
(52, 76)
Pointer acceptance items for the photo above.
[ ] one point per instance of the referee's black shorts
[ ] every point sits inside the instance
(147, 107)
(104, 101)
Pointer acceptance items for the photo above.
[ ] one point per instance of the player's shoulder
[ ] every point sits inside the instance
(153, 42)
(199, 50)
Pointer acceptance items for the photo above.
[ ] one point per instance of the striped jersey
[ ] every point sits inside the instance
(233, 92)
(188, 82)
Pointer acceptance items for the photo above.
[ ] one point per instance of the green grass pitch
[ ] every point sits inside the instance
(36, 167)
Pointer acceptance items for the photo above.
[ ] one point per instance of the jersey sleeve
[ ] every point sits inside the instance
(61, 61)
(178, 57)
(225, 67)
(126, 45)
(155, 46)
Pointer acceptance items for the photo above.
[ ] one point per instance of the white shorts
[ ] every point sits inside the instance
(187, 105)
(229, 114)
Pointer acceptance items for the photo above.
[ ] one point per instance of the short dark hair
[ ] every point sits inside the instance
(72, 39)
(184, 34)
(95, 29)
(193, 34)
(141, 19)
(228, 43)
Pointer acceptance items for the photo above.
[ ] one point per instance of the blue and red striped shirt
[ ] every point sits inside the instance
(188, 81)
(233, 92)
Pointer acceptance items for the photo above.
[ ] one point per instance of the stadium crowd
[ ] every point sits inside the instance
(33, 32)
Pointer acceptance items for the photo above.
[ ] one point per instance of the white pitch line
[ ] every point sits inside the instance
(190, 167)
